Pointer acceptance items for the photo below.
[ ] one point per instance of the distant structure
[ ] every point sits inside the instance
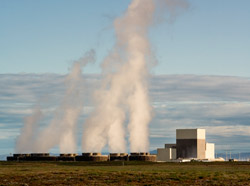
(190, 144)
(167, 154)
(89, 156)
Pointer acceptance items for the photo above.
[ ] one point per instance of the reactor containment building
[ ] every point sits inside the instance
(190, 144)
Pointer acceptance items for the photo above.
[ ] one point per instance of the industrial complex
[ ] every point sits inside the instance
(190, 145)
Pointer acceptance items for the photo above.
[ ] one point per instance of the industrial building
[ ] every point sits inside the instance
(190, 144)
(142, 156)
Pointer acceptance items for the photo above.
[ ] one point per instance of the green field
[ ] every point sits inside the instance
(129, 173)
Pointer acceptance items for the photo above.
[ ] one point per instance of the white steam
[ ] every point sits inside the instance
(61, 131)
(28, 132)
(124, 90)
(121, 103)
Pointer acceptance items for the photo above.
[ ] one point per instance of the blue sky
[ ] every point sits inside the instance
(210, 41)
(211, 37)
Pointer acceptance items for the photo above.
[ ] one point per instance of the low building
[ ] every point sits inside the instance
(166, 154)
(210, 151)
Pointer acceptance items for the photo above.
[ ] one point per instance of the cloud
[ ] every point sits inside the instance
(220, 104)
(200, 88)
(8, 133)
(228, 131)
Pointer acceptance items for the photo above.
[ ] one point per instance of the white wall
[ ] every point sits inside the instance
(209, 150)
(173, 154)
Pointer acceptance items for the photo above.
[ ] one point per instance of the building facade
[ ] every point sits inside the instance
(190, 144)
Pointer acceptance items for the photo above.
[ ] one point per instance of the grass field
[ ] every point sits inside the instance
(131, 173)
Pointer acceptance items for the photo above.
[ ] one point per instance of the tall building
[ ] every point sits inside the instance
(191, 143)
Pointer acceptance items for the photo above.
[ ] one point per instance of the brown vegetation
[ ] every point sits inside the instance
(124, 173)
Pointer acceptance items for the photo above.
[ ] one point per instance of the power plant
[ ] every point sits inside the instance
(190, 144)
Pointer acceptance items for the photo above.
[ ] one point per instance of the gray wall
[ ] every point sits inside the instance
(191, 148)
(186, 148)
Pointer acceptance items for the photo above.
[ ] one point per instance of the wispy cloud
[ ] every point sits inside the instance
(8, 133)
(228, 131)
(200, 88)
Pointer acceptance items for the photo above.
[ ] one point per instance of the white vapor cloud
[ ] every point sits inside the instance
(179, 101)
(62, 128)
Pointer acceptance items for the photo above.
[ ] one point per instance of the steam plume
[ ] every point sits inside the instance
(28, 132)
(123, 95)
(124, 88)
(61, 130)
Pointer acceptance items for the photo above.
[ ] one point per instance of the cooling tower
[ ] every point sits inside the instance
(118, 157)
(141, 156)
(32, 157)
(66, 157)
(92, 157)
(39, 154)
(40, 157)
(17, 157)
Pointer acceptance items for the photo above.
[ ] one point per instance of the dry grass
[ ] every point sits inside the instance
(132, 173)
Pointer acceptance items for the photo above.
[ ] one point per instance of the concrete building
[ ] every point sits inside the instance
(190, 144)
(210, 151)
(167, 153)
